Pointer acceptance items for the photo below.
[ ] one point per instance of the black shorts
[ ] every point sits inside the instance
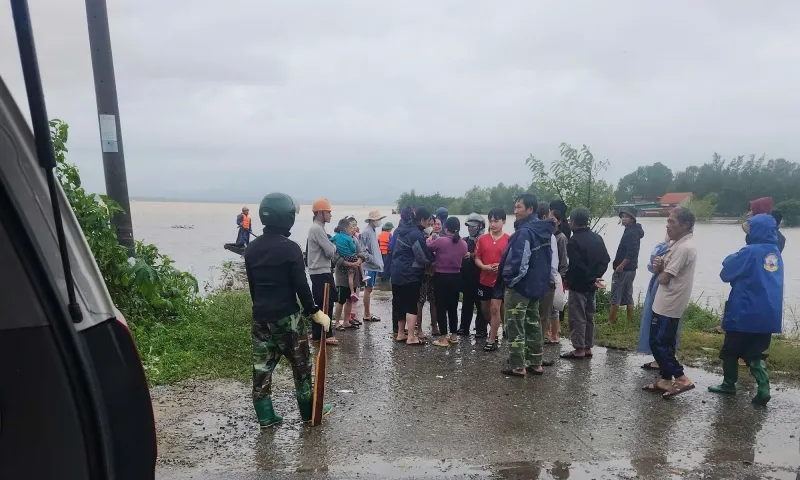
(343, 295)
(487, 293)
(404, 300)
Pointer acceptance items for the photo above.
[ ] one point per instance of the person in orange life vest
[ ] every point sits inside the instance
(384, 241)
(245, 228)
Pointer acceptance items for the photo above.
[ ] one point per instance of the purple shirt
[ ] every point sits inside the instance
(448, 254)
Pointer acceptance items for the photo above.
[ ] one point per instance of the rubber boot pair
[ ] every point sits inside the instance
(730, 372)
(266, 413)
(306, 407)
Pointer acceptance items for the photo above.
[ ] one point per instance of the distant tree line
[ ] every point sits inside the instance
(727, 185)
(574, 178)
(475, 200)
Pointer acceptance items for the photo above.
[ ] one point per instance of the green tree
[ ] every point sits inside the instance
(650, 182)
(575, 178)
(147, 288)
(791, 212)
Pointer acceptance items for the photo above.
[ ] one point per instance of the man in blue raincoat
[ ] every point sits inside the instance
(754, 310)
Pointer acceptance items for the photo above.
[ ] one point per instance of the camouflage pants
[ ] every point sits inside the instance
(287, 337)
(523, 329)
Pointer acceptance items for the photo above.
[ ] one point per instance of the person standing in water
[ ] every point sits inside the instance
(245, 228)
(625, 264)
(470, 280)
(277, 279)
(488, 253)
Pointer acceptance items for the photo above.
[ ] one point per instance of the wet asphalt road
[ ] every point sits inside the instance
(433, 412)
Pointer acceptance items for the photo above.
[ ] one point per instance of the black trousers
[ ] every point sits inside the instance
(447, 287)
(663, 333)
(470, 302)
(318, 282)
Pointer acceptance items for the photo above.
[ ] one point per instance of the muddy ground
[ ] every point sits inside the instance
(433, 412)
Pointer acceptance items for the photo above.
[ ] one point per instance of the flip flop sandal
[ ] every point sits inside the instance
(571, 356)
(551, 342)
(649, 366)
(677, 390)
(511, 373)
(399, 340)
(534, 371)
(491, 347)
(352, 326)
(341, 328)
(454, 341)
(653, 387)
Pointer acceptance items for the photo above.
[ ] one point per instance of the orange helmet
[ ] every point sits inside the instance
(321, 205)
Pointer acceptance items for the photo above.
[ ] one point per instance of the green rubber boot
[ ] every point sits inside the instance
(265, 413)
(758, 369)
(730, 375)
(306, 407)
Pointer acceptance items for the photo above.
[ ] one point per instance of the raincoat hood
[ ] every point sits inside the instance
(763, 229)
(637, 228)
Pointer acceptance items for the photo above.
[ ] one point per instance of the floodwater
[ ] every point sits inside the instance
(199, 248)
(433, 412)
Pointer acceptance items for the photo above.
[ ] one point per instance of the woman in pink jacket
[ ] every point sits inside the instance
(449, 251)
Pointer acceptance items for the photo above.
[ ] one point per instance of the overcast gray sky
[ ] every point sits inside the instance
(361, 100)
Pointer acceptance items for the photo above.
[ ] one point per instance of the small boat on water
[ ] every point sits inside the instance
(232, 247)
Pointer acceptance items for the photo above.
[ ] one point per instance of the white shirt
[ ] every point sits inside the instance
(554, 275)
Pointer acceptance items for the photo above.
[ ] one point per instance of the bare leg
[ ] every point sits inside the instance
(401, 326)
(411, 323)
(555, 327)
(337, 313)
(366, 300)
(630, 313)
(612, 314)
(494, 315)
(348, 307)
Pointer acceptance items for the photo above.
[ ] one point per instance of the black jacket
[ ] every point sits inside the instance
(470, 273)
(588, 260)
(629, 247)
(277, 277)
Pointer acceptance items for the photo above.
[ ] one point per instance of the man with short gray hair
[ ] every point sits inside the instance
(675, 270)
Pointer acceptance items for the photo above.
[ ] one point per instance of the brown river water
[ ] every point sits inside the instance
(199, 248)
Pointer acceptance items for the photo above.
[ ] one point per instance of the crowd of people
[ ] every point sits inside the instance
(523, 282)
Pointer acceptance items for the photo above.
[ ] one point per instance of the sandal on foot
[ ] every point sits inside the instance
(653, 387)
(533, 370)
(649, 366)
(331, 341)
(551, 342)
(511, 373)
(571, 355)
(341, 328)
(677, 390)
(491, 347)
(441, 343)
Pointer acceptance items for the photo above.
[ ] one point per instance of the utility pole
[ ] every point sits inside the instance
(105, 88)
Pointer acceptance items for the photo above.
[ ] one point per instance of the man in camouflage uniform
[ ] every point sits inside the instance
(277, 278)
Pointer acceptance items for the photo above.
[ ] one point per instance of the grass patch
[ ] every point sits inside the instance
(697, 341)
(214, 343)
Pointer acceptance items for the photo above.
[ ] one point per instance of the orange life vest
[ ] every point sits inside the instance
(245, 221)
(383, 241)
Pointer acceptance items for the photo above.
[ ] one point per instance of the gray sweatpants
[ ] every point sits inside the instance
(581, 308)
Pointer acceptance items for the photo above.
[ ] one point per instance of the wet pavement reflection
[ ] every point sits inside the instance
(433, 412)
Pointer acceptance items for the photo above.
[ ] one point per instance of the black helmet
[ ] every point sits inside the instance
(278, 210)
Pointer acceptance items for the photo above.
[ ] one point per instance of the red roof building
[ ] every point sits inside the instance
(672, 200)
